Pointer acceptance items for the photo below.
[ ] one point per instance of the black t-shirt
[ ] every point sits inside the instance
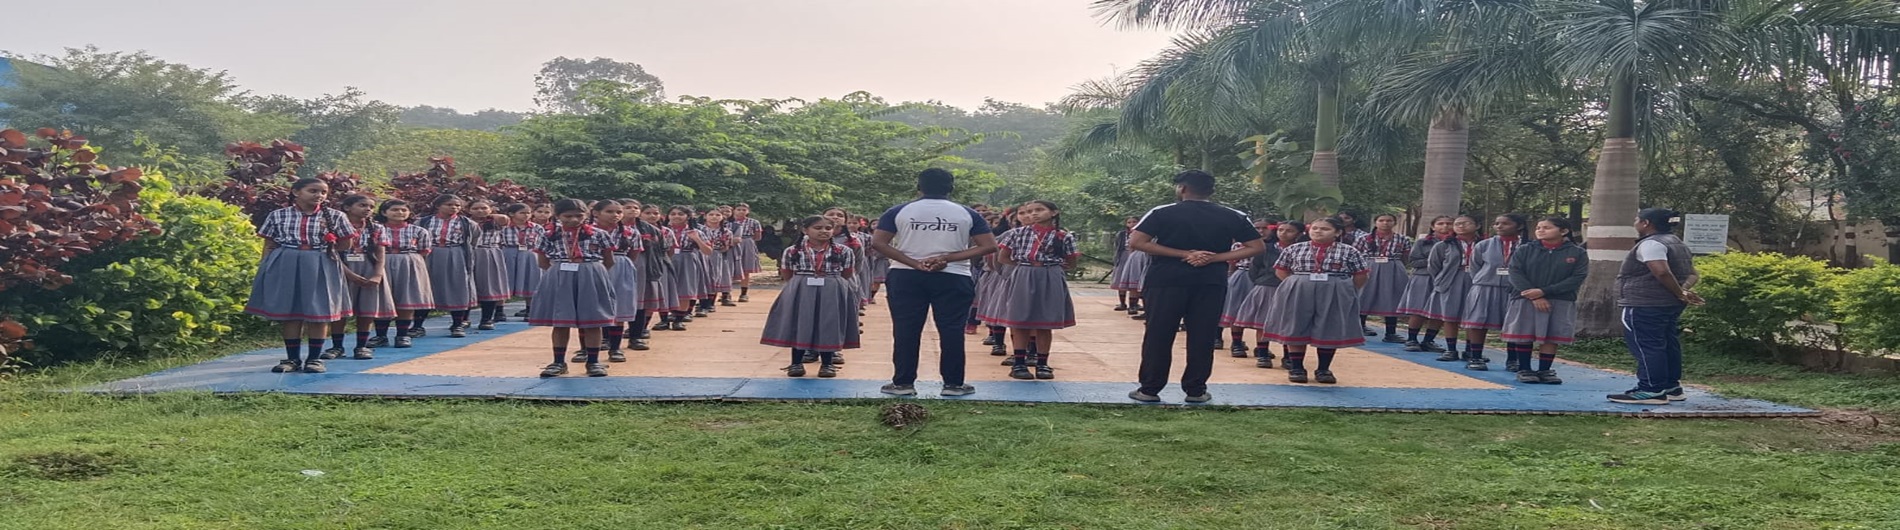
(1193, 225)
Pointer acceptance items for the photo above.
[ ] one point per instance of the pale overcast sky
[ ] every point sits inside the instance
(475, 54)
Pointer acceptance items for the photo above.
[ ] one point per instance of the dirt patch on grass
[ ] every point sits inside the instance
(68, 465)
(1852, 429)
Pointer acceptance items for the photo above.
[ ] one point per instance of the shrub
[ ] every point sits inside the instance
(1869, 308)
(258, 181)
(180, 291)
(421, 188)
(1754, 297)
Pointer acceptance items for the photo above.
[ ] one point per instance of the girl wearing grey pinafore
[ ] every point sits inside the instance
(524, 272)
(626, 275)
(300, 278)
(451, 267)
(1037, 296)
(1418, 283)
(656, 293)
(491, 269)
(368, 301)
(1387, 279)
(1257, 308)
(851, 243)
(689, 266)
(1490, 290)
(1317, 303)
(404, 268)
(993, 296)
(1238, 284)
(817, 309)
(1450, 269)
(579, 298)
(719, 265)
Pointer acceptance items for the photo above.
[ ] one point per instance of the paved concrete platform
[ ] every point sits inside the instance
(719, 358)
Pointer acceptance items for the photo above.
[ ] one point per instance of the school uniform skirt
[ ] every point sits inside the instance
(408, 278)
(1238, 285)
(450, 279)
(1449, 304)
(491, 275)
(1418, 289)
(369, 301)
(1256, 310)
(1132, 272)
(880, 269)
(992, 296)
(1324, 314)
(1524, 323)
(820, 317)
(1484, 307)
(581, 298)
(1037, 298)
(627, 284)
(719, 272)
(524, 272)
(749, 257)
(689, 282)
(299, 286)
(657, 293)
(1385, 289)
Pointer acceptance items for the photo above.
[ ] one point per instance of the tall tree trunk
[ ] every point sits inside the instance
(1447, 147)
(1207, 160)
(1326, 139)
(1613, 204)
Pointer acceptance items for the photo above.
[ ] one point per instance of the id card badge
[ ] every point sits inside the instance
(570, 267)
(355, 257)
(1381, 260)
(1504, 271)
(1319, 276)
(815, 281)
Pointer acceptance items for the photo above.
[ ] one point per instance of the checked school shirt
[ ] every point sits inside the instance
(292, 228)
(1307, 257)
(450, 232)
(747, 228)
(407, 239)
(524, 237)
(367, 238)
(626, 239)
(720, 238)
(589, 242)
(803, 260)
(1033, 246)
(491, 237)
(1395, 246)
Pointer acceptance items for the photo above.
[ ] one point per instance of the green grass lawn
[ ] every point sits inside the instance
(197, 461)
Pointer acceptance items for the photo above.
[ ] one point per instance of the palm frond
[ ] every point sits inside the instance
(1179, 14)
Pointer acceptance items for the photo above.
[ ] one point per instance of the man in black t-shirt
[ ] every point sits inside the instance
(1190, 243)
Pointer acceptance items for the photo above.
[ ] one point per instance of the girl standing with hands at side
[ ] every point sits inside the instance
(404, 269)
(576, 291)
(300, 283)
(1037, 302)
(624, 242)
(656, 266)
(1121, 257)
(1545, 277)
(369, 295)
(491, 267)
(1257, 312)
(719, 263)
(520, 239)
(689, 264)
(1418, 288)
(1129, 276)
(816, 314)
(1450, 268)
(1318, 300)
(451, 263)
(749, 231)
(1239, 285)
(1490, 288)
(1385, 250)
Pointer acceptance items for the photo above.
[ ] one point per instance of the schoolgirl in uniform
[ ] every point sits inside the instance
(983, 274)
(300, 283)
(992, 298)
(451, 267)
(1318, 300)
(576, 292)
(880, 264)
(1237, 292)
(1545, 277)
(748, 231)
(1128, 277)
(624, 245)
(542, 220)
(363, 279)
(404, 269)
(519, 240)
(1121, 257)
(1386, 252)
(1038, 299)
(658, 297)
(719, 263)
(1450, 270)
(1355, 229)
(842, 235)
(689, 264)
(1418, 288)
(1257, 311)
(1490, 290)
(816, 313)
(491, 266)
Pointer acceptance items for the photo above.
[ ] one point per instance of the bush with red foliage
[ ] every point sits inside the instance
(422, 188)
(56, 203)
(260, 177)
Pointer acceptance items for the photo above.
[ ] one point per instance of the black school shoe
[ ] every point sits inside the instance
(639, 345)
(1045, 372)
(998, 349)
(577, 357)
(1549, 377)
(486, 326)
(1394, 338)
(1296, 375)
(404, 342)
(1431, 347)
(1324, 377)
(827, 370)
(1239, 351)
(596, 370)
(678, 326)
(1449, 356)
(1219, 343)
(554, 370)
(417, 332)
(1528, 377)
(364, 354)
(458, 331)
(521, 314)
(1121, 307)
(1137, 395)
(616, 356)
(332, 353)
(314, 367)
(1020, 371)
(378, 342)
(989, 340)
(1412, 345)
(795, 370)
(287, 366)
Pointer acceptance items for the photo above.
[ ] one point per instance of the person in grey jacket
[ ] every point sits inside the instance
(1652, 288)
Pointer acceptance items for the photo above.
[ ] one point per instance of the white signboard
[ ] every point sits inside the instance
(1705, 233)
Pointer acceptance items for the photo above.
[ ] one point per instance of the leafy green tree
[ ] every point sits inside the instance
(427, 117)
(406, 151)
(558, 87)
(335, 125)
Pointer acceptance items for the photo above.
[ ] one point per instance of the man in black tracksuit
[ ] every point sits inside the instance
(1186, 240)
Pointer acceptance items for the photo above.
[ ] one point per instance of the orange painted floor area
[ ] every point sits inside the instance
(1104, 347)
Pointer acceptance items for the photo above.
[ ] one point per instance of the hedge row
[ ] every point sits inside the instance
(1769, 298)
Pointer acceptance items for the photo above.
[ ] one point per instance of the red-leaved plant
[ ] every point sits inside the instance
(260, 176)
(422, 188)
(57, 203)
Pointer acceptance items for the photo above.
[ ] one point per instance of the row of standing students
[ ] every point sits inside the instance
(1316, 286)
(378, 264)
(1022, 293)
